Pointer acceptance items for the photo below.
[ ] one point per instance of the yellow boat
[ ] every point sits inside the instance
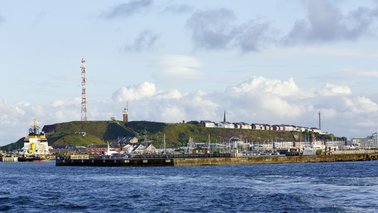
(36, 147)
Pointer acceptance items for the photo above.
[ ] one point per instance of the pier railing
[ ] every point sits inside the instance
(145, 156)
(170, 156)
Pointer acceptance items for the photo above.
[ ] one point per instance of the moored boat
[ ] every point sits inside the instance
(36, 147)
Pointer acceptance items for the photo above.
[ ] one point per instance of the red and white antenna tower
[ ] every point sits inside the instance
(83, 91)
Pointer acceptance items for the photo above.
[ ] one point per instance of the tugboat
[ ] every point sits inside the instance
(36, 147)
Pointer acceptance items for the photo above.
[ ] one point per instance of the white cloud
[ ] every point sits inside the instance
(146, 89)
(201, 105)
(361, 105)
(9, 114)
(271, 86)
(360, 73)
(278, 107)
(266, 99)
(173, 94)
(334, 90)
(179, 67)
(172, 113)
(368, 74)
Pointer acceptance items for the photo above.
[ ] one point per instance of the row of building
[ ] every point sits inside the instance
(256, 126)
(368, 142)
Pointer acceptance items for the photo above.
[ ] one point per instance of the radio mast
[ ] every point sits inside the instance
(83, 91)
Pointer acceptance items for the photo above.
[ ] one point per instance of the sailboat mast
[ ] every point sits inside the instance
(164, 143)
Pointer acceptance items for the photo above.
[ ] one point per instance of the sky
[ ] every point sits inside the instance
(274, 62)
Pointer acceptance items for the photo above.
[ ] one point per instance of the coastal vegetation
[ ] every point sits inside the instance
(176, 134)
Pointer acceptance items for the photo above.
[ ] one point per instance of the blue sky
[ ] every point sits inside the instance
(276, 62)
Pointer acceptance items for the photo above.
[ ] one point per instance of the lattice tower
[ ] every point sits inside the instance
(83, 91)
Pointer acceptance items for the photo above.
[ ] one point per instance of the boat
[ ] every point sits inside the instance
(36, 147)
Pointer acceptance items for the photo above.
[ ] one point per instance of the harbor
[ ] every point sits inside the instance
(189, 106)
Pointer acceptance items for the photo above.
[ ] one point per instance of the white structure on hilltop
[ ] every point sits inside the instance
(209, 124)
(226, 125)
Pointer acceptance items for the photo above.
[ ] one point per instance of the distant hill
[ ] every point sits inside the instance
(177, 134)
(14, 146)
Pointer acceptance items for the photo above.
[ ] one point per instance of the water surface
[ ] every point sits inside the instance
(305, 187)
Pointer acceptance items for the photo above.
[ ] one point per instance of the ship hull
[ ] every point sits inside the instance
(32, 159)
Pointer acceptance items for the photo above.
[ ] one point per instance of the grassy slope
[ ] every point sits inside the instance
(97, 132)
(13, 146)
(78, 140)
(176, 134)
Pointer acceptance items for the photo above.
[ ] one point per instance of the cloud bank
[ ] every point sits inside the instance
(325, 22)
(218, 29)
(257, 99)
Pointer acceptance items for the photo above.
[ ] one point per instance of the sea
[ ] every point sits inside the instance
(300, 187)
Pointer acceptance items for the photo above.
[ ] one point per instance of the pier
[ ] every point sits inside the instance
(202, 160)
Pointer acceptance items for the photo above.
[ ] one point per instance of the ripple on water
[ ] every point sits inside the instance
(5, 207)
(245, 188)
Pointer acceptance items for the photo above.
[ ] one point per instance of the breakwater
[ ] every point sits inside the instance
(84, 160)
(275, 159)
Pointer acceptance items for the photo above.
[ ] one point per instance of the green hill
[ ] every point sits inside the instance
(78, 140)
(177, 134)
(98, 132)
(14, 146)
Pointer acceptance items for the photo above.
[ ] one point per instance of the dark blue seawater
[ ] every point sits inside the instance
(310, 187)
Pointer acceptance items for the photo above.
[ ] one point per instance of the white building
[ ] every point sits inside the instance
(245, 126)
(302, 129)
(209, 124)
(226, 125)
(238, 125)
(258, 126)
(315, 130)
(288, 128)
(267, 127)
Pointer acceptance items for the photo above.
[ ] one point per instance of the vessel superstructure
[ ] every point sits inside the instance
(36, 147)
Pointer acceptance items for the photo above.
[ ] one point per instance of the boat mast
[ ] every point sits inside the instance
(164, 144)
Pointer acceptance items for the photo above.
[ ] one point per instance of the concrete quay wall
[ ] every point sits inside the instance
(9, 159)
(113, 162)
(273, 159)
